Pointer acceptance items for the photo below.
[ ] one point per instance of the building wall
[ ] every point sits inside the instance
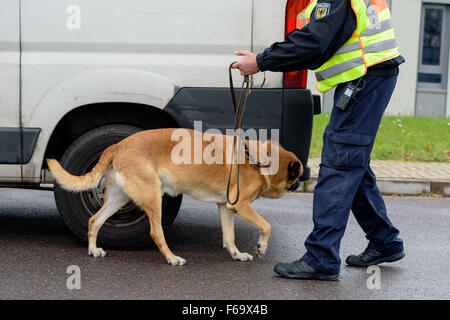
(447, 113)
(406, 15)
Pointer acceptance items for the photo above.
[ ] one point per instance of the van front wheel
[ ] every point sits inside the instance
(129, 227)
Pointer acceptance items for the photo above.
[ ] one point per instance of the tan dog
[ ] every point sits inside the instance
(141, 168)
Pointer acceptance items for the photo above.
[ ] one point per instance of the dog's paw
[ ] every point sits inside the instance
(97, 252)
(242, 256)
(260, 250)
(176, 261)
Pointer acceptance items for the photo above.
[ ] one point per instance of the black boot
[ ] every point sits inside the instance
(301, 270)
(371, 257)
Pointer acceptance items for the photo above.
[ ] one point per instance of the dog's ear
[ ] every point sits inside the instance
(294, 170)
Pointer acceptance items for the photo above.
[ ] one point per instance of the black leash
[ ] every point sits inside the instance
(239, 117)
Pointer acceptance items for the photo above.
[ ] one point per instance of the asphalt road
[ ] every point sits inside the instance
(36, 248)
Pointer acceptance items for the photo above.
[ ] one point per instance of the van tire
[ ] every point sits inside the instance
(127, 229)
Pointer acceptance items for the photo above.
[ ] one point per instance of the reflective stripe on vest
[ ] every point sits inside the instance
(372, 42)
(381, 46)
(375, 47)
(338, 69)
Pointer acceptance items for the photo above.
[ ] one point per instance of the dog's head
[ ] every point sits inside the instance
(287, 178)
(295, 169)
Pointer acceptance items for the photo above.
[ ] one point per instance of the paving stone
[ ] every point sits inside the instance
(405, 177)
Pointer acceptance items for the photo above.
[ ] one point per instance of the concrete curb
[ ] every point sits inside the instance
(402, 186)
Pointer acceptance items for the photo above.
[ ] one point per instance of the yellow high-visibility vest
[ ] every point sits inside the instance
(372, 42)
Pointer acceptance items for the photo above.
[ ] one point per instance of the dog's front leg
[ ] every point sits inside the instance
(248, 214)
(226, 217)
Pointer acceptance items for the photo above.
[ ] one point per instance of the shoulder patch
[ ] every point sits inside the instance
(322, 9)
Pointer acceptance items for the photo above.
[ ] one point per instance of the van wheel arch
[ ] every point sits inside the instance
(89, 134)
(85, 118)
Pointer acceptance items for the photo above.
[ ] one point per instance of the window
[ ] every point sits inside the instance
(432, 38)
(433, 60)
(434, 46)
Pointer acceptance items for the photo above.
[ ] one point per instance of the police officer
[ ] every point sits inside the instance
(351, 45)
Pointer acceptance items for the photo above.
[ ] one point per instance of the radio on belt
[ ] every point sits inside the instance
(349, 93)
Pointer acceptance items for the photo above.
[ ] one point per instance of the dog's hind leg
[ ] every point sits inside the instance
(228, 235)
(146, 192)
(153, 209)
(115, 198)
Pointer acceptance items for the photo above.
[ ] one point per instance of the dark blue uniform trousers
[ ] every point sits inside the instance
(346, 181)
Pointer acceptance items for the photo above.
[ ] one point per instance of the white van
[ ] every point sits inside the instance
(79, 75)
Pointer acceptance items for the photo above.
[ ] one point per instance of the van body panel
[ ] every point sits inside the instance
(121, 51)
(9, 85)
(170, 55)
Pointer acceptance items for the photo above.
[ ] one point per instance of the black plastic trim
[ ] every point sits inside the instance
(317, 104)
(298, 112)
(10, 145)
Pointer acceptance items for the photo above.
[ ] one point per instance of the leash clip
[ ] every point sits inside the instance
(249, 81)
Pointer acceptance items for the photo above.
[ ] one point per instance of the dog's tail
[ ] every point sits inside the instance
(80, 183)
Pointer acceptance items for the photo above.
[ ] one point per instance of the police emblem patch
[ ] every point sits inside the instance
(322, 10)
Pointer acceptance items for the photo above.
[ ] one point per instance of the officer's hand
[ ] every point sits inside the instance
(247, 65)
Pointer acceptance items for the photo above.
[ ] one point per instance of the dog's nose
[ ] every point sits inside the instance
(294, 186)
